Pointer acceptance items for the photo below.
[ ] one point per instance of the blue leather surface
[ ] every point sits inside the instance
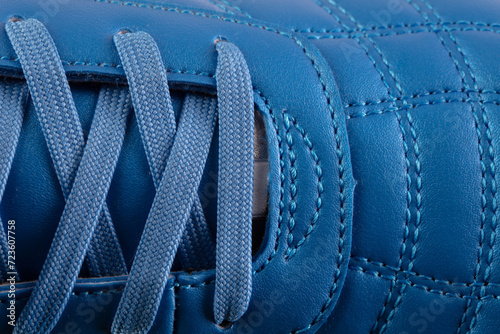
(295, 84)
(437, 60)
(418, 83)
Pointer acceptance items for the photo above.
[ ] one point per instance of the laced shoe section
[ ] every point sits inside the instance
(176, 156)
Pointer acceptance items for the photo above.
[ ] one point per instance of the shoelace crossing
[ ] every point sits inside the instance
(176, 158)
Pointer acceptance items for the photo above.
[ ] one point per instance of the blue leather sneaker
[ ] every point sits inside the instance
(227, 166)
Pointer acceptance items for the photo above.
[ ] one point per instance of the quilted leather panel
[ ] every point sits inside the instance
(432, 69)
(380, 192)
(424, 73)
(374, 13)
(448, 216)
(358, 318)
(359, 83)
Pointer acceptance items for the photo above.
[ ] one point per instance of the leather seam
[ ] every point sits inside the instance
(348, 105)
(279, 32)
(79, 293)
(405, 145)
(420, 286)
(342, 196)
(293, 188)
(418, 201)
(339, 148)
(311, 30)
(416, 152)
(365, 260)
(264, 27)
(420, 95)
(493, 191)
(340, 160)
(355, 268)
(81, 63)
(396, 33)
(327, 9)
(282, 183)
(292, 250)
(192, 12)
(490, 150)
(418, 105)
(225, 4)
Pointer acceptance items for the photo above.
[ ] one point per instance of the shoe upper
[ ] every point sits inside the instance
(381, 133)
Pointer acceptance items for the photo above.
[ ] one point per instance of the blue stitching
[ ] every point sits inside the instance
(408, 213)
(9, 58)
(403, 132)
(329, 11)
(195, 13)
(477, 309)
(409, 198)
(420, 286)
(346, 13)
(418, 188)
(292, 250)
(326, 95)
(419, 185)
(421, 12)
(203, 74)
(282, 184)
(483, 168)
(342, 196)
(74, 63)
(293, 188)
(238, 9)
(360, 33)
(337, 18)
(493, 184)
(319, 31)
(420, 95)
(492, 166)
(339, 151)
(79, 293)
(395, 26)
(190, 286)
(81, 63)
(251, 24)
(418, 105)
(426, 277)
(221, 7)
(433, 10)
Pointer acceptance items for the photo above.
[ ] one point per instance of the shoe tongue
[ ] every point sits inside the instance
(33, 196)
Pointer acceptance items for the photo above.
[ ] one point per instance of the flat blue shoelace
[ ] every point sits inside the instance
(12, 100)
(156, 121)
(176, 157)
(57, 115)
